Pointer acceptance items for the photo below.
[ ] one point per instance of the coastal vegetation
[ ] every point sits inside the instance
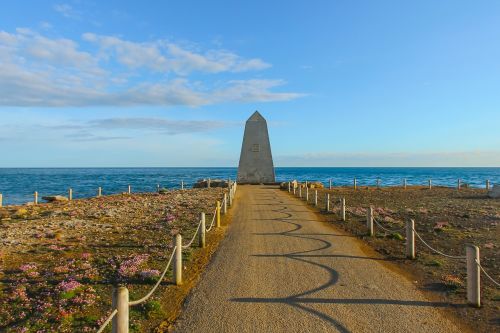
(60, 260)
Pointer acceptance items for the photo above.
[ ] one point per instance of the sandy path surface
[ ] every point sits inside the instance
(281, 270)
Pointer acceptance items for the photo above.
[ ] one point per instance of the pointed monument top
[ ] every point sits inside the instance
(256, 116)
(256, 161)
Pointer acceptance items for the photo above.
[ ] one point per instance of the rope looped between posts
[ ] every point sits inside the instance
(436, 251)
(145, 298)
(194, 237)
(487, 275)
(387, 230)
(213, 220)
(107, 321)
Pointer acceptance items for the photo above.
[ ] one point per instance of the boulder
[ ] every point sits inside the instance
(495, 192)
(203, 183)
(315, 185)
(54, 198)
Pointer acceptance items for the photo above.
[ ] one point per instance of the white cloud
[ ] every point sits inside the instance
(165, 56)
(53, 72)
(157, 125)
(67, 11)
(383, 159)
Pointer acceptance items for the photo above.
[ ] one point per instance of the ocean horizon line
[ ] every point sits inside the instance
(235, 167)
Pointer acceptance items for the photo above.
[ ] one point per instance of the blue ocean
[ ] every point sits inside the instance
(18, 184)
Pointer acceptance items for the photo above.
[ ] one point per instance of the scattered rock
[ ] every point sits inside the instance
(315, 185)
(203, 183)
(440, 226)
(54, 198)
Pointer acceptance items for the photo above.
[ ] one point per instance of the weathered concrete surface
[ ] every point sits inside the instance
(280, 270)
(256, 161)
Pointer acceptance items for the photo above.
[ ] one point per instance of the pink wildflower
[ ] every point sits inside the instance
(69, 285)
(30, 270)
(170, 218)
(149, 273)
(129, 267)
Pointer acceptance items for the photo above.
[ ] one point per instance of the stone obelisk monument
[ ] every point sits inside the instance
(256, 161)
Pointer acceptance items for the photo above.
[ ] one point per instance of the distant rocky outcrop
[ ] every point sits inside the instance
(204, 183)
(296, 184)
(54, 198)
(163, 191)
(315, 185)
(495, 192)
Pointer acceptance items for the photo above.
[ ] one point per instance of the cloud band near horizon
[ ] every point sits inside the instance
(40, 71)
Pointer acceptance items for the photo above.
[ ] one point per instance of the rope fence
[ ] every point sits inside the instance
(213, 220)
(121, 303)
(355, 184)
(436, 251)
(474, 267)
(385, 229)
(69, 195)
(146, 297)
(487, 275)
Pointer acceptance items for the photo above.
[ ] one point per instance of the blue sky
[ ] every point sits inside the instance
(341, 83)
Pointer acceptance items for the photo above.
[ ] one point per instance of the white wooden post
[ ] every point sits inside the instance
(410, 239)
(208, 183)
(300, 191)
(294, 190)
(35, 201)
(157, 188)
(430, 184)
(306, 183)
(404, 183)
(459, 184)
(288, 187)
(307, 194)
(378, 182)
(369, 220)
(224, 207)
(182, 184)
(99, 191)
(315, 198)
(120, 303)
(487, 184)
(201, 236)
(342, 210)
(1, 199)
(473, 276)
(330, 184)
(129, 189)
(217, 215)
(327, 204)
(231, 194)
(178, 260)
(70, 194)
(355, 183)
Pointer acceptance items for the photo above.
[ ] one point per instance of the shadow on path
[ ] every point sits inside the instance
(300, 300)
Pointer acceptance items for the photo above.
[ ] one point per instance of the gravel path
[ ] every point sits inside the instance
(281, 270)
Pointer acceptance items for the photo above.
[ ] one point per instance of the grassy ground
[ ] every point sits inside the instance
(59, 261)
(446, 219)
